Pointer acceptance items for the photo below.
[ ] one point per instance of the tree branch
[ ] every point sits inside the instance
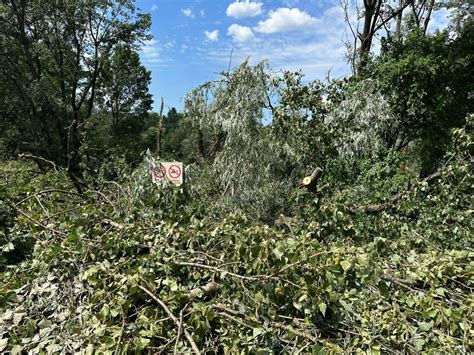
(376, 208)
(311, 181)
(175, 320)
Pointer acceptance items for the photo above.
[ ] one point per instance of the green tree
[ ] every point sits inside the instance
(179, 139)
(124, 85)
(427, 81)
(52, 57)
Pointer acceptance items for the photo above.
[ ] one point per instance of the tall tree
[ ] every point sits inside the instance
(52, 57)
(124, 85)
(377, 14)
(426, 79)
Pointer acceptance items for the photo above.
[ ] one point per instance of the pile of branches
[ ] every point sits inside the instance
(107, 271)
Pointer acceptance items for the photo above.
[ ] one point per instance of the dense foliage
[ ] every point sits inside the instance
(375, 257)
(401, 280)
(60, 61)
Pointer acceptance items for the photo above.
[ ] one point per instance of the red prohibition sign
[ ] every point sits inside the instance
(174, 171)
(160, 174)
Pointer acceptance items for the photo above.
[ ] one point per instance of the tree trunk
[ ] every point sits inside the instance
(367, 33)
(310, 182)
(398, 30)
(201, 144)
(160, 130)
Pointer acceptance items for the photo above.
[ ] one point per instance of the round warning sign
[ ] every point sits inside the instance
(174, 171)
(159, 172)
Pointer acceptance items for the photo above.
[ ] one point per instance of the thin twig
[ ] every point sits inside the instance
(120, 337)
(171, 315)
(179, 330)
(105, 198)
(237, 276)
(305, 260)
(235, 316)
(213, 268)
(370, 209)
(36, 159)
(47, 192)
(39, 223)
(41, 205)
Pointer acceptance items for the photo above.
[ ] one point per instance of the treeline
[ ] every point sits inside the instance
(75, 93)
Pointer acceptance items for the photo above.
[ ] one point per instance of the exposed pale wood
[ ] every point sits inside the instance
(203, 291)
(311, 181)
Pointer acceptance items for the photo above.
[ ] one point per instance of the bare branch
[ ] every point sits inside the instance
(171, 315)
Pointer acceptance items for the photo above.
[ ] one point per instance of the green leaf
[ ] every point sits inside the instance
(346, 306)
(53, 348)
(278, 254)
(105, 310)
(17, 317)
(419, 344)
(322, 308)
(44, 323)
(8, 247)
(425, 326)
(144, 342)
(346, 265)
(257, 331)
(8, 315)
(375, 350)
(16, 349)
(3, 344)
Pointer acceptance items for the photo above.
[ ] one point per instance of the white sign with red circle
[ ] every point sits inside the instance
(159, 173)
(171, 171)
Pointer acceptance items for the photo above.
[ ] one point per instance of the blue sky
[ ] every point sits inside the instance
(193, 40)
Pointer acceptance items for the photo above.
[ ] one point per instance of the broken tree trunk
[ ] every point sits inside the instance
(310, 182)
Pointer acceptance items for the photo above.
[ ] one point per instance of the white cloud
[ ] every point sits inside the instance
(212, 36)
(244, 9)
(315, 52)
(150, 48)
(240, 33)
(203, 13)
(188, 13)
(154, 7)
(285, 19)
(151, 53)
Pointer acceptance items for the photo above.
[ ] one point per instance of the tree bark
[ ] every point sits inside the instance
(367, 33)
(160, 130)
(373, 22)
(200, 137)
(398, 30)
(310, 182)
